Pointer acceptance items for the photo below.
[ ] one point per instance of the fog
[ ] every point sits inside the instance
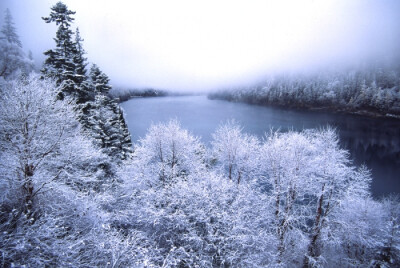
(203, 45)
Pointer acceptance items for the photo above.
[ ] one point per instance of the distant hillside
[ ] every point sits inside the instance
(370, 90)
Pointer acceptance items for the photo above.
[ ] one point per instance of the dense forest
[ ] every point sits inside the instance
(76, 192)
(371, 88)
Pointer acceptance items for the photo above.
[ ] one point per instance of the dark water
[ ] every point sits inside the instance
(370, 141)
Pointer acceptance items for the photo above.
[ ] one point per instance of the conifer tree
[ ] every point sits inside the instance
(101, 116)
(126, 141)
(83, 90)
(79, 59)
(99, 80)
(60, 64)
(108, 128)
(105, 118)
(9, 31)
(12, 57)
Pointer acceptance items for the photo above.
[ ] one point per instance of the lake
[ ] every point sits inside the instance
(374, 142)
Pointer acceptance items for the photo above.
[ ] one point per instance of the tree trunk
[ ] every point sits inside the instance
(239, 177)
(230, 172)
(312, 248)
(28, 185)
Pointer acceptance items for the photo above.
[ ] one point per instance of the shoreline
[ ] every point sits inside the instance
(330, 109)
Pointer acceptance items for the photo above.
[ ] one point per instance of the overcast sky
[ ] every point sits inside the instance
(195, 45)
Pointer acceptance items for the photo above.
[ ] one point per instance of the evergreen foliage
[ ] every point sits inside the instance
(84, 94)
(104, 119)
(99, 80)
(66, 64)
(12, 58)
(107, 126)
(9, 31)
(60, 64)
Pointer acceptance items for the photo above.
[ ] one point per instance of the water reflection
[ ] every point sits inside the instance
(378, 147)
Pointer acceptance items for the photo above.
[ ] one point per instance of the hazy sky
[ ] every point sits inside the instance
(194, 45)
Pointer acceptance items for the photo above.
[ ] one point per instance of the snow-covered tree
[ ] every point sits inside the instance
(85, 93)
(9, 31)
(103, 118)
(355, 235)
(235, 152)
(49, 172)
(332, 175)
(287, 162)
(60, 63)
(167, 153)
(204, 220)
(389, 224)
(41, 143)
(12, 57)
(107, 126)
(307, 178)
(99, 80)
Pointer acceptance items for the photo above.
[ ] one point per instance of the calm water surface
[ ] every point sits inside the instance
(370, 141)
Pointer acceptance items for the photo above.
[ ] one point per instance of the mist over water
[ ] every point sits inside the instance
(199, 46)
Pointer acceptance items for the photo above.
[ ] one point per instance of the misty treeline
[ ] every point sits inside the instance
(75, 194)
(124, 94)
(371, 88)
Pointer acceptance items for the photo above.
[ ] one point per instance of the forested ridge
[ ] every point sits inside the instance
(371, 88)
(76, 192)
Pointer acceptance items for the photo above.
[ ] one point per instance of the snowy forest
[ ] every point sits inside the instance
(371, 88)
(75, 191)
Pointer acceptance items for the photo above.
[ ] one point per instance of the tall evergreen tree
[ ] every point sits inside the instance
(99, 80)
(79, 58)
(83, 91)
(60, 64)
(12, 57)
(125, 136)
(9, 31)
(105, 119)
(66, 64)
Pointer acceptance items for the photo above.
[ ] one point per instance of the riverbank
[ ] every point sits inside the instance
(126, 94)
(371, 112)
